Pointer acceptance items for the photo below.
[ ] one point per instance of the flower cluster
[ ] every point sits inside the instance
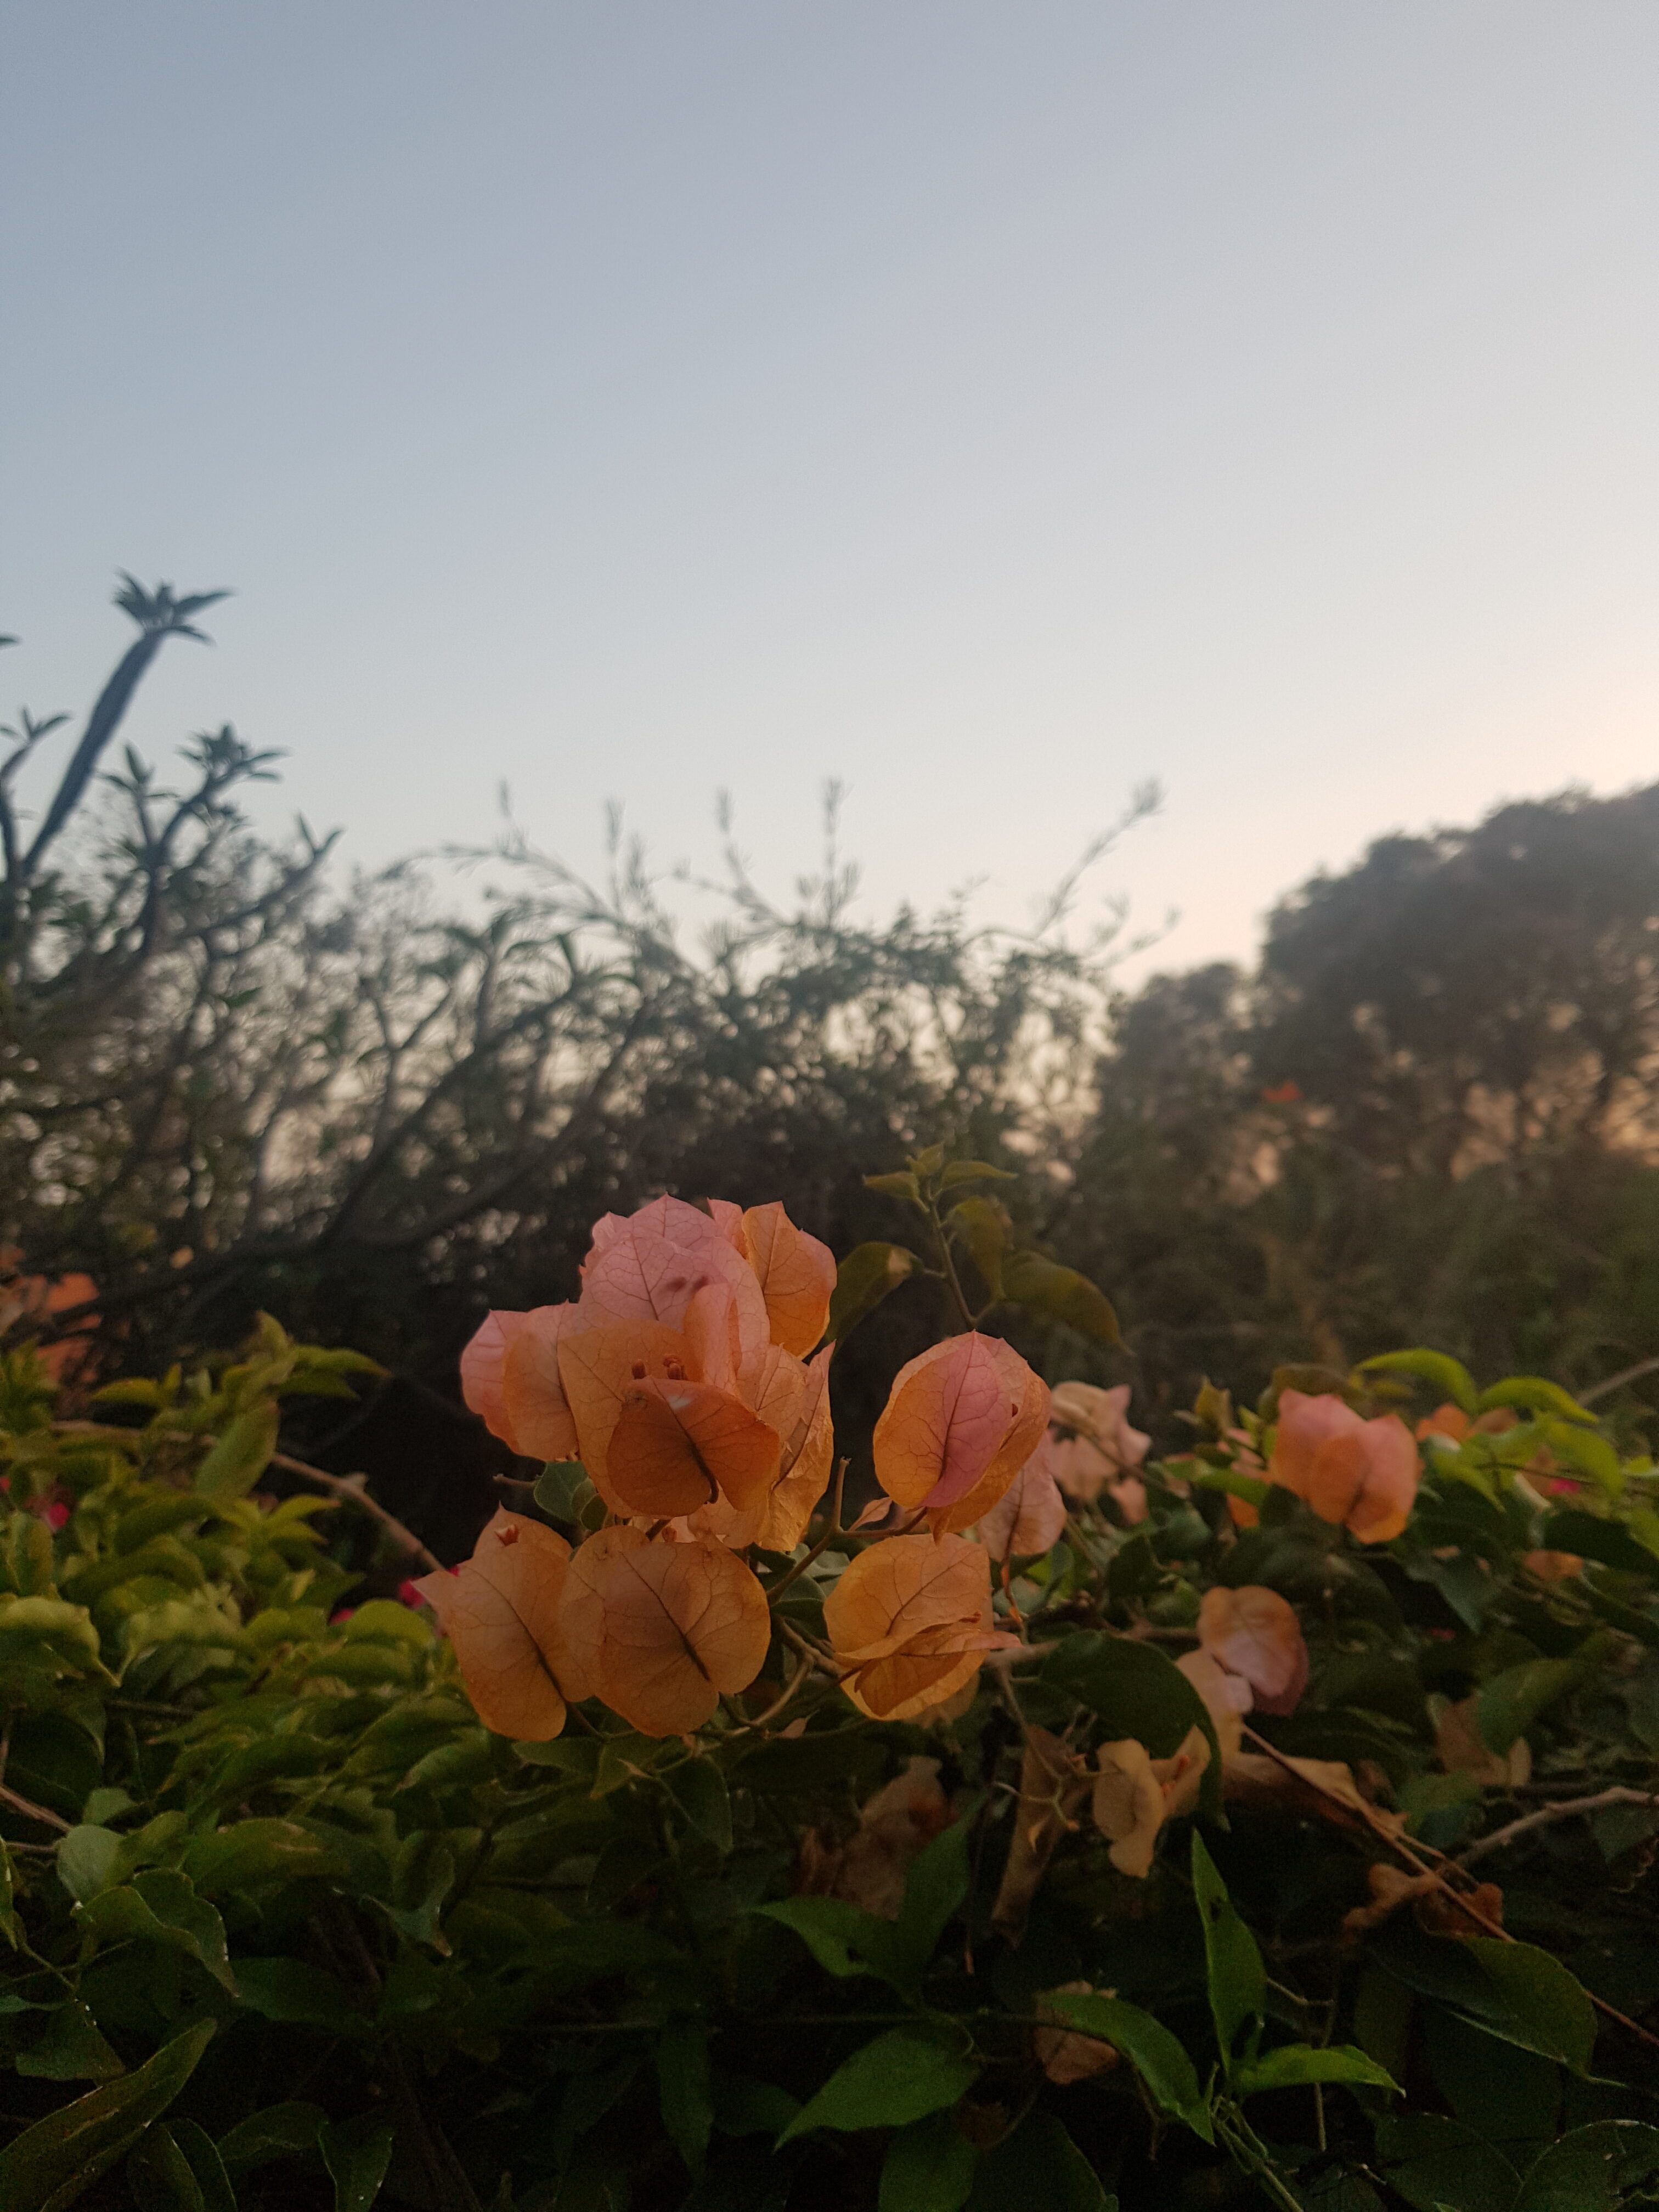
(684, 1381)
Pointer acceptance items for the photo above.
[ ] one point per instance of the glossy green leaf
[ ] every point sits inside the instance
(1157, 2056)
(1510, 1703)
(869, 1274)
(1592, 2169)
(1588, 1453)
(356, 2152)
(928, 2167)
(69, 2047)
(161, 2177)
(1293, 2064)
(1430, 2161)
(1237, 1981)
(87, 1860)
(279, 2131)
(1593, 1538)
(841, 1936)
(205, 2163)
(1056, 1293)
(902, 2076)
(1448, 1376)
(1543, 2006)
(161, 1907)
(241, 1456)
(1532, 1394)
(934, 1890)
(46, 2168)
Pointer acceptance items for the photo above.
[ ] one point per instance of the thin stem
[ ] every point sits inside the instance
(1546, 1815)
(1381, 1830)
(350, 1490)
(31, 1811)
(953, 1281)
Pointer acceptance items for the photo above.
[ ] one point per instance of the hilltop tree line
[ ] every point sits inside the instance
(232, 1079)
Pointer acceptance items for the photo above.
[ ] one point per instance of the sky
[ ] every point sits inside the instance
(992, 407)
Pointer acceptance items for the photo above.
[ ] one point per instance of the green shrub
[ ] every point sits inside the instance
(288, 1927)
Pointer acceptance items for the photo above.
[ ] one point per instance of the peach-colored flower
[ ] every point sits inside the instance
(1029, 1516)
(910, 1620)
(1135, 1794)
(1350, 1470)
(661, 1630)
(1096, 1445)
(959, 1423)
(1254, 1633)
(502, 1612)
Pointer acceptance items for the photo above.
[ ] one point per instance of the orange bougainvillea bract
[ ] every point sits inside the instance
(502, 1611)
(1254, 1633)
(1351, 1471)
(1030, 1515)
(910, 1620)
(663, 1630)
(960, 1422)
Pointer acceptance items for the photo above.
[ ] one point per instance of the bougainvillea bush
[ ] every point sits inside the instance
(997, 1810)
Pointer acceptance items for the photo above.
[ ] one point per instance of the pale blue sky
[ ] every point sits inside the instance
(990, 404)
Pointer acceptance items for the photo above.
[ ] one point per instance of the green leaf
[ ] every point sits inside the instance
(278, 2131)
(901, 1186)
(68, 2048)
(562, 1489)
(1038, 2165)
(1161, 2061)
(1531, 1394)
(161, 2177)
(47, 2166)
(161, 1907)
(961, 1171)
(1591, 2169)
(683, 2090)
(933, 1891)
(205, 2163)
(1545, 2006)
(981, 1225)
(1449, 1376)
(1294, 2065)
(356, 2152)
(1589, 1452)
(1237, 1980)
(87, 1860)
(1060, 1294)
(865, 1277)
(698, 1788)
(841, 1936)
(241, 1456)
(929, 2167)
(1430, 2161)
(1510, 1703)
(1136, 1691)
(901, 2077)
(299, 1995)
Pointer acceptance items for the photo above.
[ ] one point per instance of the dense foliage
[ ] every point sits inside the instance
(1270, 1820)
